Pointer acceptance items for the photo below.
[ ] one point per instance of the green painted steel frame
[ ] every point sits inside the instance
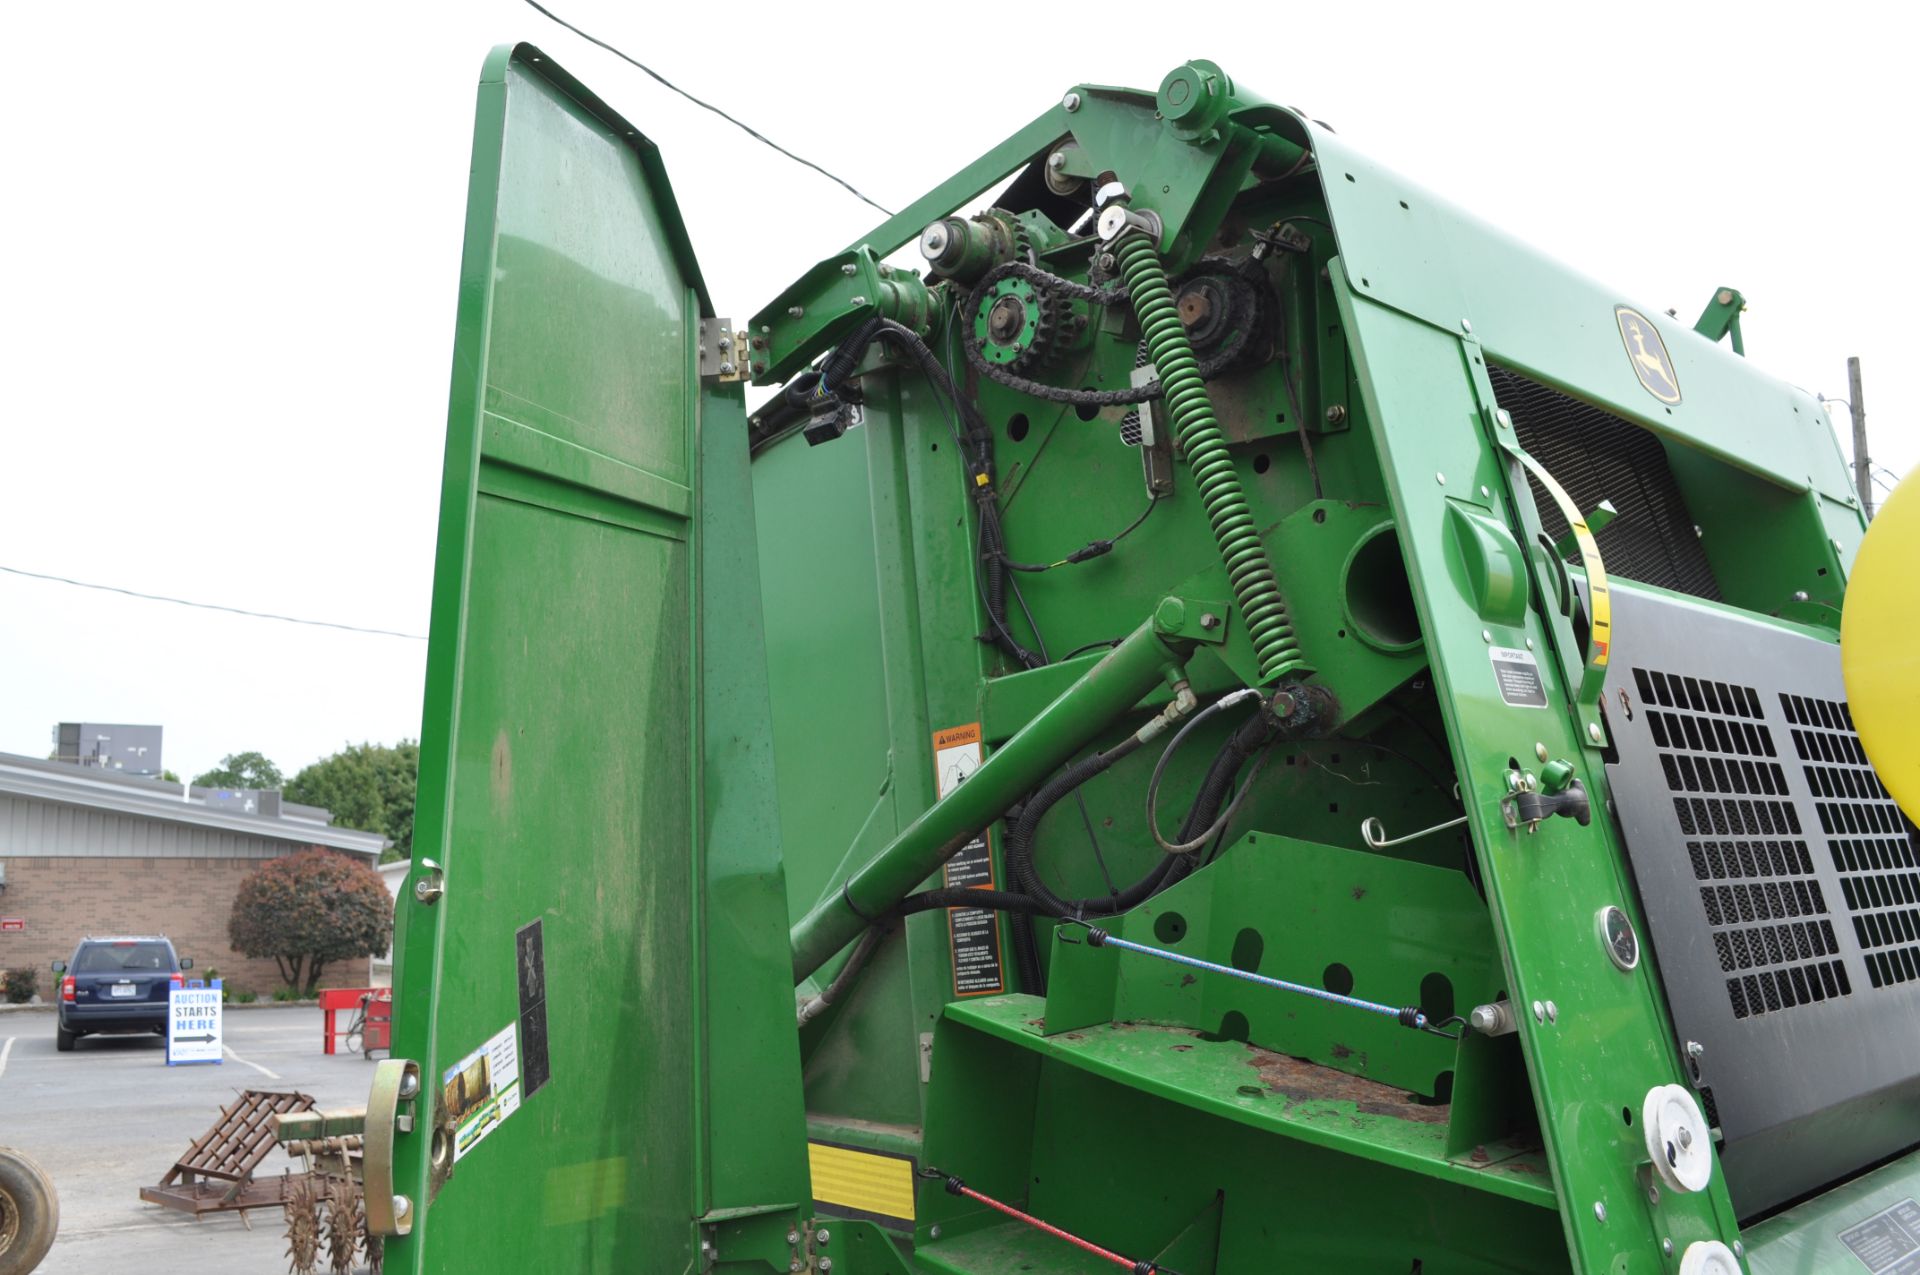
(596, 531)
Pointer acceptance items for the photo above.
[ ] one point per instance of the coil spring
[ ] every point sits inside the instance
(1250, 572)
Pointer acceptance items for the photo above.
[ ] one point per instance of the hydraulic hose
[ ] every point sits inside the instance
(1250, 573)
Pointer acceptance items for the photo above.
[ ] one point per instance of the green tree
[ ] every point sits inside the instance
(241, 770)
(169, 776)
(366, 786)
(308, 910)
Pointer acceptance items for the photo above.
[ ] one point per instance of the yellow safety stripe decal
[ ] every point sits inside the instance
(865, 1182)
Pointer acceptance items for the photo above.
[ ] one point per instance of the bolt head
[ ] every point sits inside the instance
(796, 311)
(821, 1236)
(1540, 751)
(826, 1263)
(1336, 414)
(1553, 1012)
(1057, 161)
(1695, 1049)
(409, 1085)
(1594, 732)
(1486, 635)
(793, 1237)
(1539, 1012)
(1599, 1210)
(849, 269)
(1799, 595)
(402, 1206)
(933, 1232)
(1739, 1249)
(1441, 479)
(1208, 620)
(727, 368)
(1071, 102)
(1666, 1247)
(859, 301)
(1466, 325)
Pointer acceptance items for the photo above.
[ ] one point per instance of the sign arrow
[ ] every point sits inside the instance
(204, 1040)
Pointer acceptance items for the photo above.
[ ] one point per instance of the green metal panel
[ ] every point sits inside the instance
(581, 686)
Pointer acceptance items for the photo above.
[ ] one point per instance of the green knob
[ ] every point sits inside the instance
(1556, 775)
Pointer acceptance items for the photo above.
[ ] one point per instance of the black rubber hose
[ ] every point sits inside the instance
(961, 896)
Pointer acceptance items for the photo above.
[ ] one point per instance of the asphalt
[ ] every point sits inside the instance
(111, 1117)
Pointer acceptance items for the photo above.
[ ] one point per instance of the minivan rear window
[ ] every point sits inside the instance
(128, 958)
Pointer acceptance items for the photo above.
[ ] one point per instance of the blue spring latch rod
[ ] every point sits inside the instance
(1406, 1016)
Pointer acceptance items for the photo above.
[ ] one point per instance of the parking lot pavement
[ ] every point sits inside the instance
(111, 1117)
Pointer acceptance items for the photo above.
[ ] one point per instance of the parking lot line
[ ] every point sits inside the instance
(270, 1075)
(5, 1050)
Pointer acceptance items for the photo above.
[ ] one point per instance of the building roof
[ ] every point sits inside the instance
(91, 788)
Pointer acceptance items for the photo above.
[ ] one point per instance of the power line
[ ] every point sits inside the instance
(213, 606)
(708, 106)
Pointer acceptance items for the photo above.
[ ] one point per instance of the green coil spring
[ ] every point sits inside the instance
(1249, 571)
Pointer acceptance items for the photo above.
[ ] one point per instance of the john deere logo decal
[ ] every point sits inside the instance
(1649, 354)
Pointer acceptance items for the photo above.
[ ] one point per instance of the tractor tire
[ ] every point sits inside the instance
(29, 1213)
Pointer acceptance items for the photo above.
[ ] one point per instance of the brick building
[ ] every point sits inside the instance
(88, 851)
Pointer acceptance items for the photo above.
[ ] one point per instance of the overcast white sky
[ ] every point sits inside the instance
(228, 313)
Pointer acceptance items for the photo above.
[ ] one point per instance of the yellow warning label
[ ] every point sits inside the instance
(862, 1182)
(1599, 600)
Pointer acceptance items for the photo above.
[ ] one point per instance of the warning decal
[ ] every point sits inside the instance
(482, 1090)
(1518, 677)
(974, 933)
(1889, 1241)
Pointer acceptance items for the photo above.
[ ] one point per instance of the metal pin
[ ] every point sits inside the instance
(1374, 833)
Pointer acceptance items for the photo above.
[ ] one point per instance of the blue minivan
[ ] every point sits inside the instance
(117, 985)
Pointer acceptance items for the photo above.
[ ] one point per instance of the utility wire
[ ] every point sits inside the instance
(707, 106)
(214, 606)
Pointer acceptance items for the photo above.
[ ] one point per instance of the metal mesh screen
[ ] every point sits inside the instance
(1597, 456)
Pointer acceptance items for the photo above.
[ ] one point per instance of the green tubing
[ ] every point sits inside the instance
(1249, 571)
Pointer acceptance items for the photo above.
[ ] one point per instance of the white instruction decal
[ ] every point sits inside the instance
(482, 1090)
(1518, 677)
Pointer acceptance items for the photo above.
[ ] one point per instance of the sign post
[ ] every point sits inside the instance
(193, 1024)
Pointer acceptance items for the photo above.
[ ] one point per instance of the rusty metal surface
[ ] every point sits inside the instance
(1301, 1081)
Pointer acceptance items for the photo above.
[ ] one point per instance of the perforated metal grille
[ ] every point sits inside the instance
(1598, 456)
(1761, 899)
(1871, 842)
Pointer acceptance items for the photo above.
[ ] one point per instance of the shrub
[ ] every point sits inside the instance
(241, 996)
(309, 910)
(285, 993)
(22, 985)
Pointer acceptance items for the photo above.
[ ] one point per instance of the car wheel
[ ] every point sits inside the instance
(29, 1214)
(63, 1039)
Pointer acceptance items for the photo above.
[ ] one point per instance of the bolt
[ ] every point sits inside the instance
(427, 889)
(1799, 595)
(723, 344)
(1653, 1194)
(1208, 620)
(1057, 161)
(765, 329)
(826, 1263)
(1739, 1249)
(849, 270)
(1486, 493)
(794, 1265)
(1686, 1138)
(402, 1206)
(1594, 732)
(1695, 1049)
(1503, 418)
(758, 368)
(1539, 1012)
(759, 343)
(820, 1236)
(1697, 533)
(1724, 296)
(726, 368)
(1540, 751)
(1071, 102)
(1486, 635)
(933, 1232)
(1441, 479)
(1666, 1247)
(793, 1237)
(1553, 1012)
(859, 301)
(409, 1085)
(1466, 325)
(1600, 1210)
(1529, 644)
(796, 311)
(1336, 414)
(1107, 261)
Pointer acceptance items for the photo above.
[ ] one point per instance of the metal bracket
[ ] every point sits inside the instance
(723, 351)
(430, 884)
(390, 1103)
